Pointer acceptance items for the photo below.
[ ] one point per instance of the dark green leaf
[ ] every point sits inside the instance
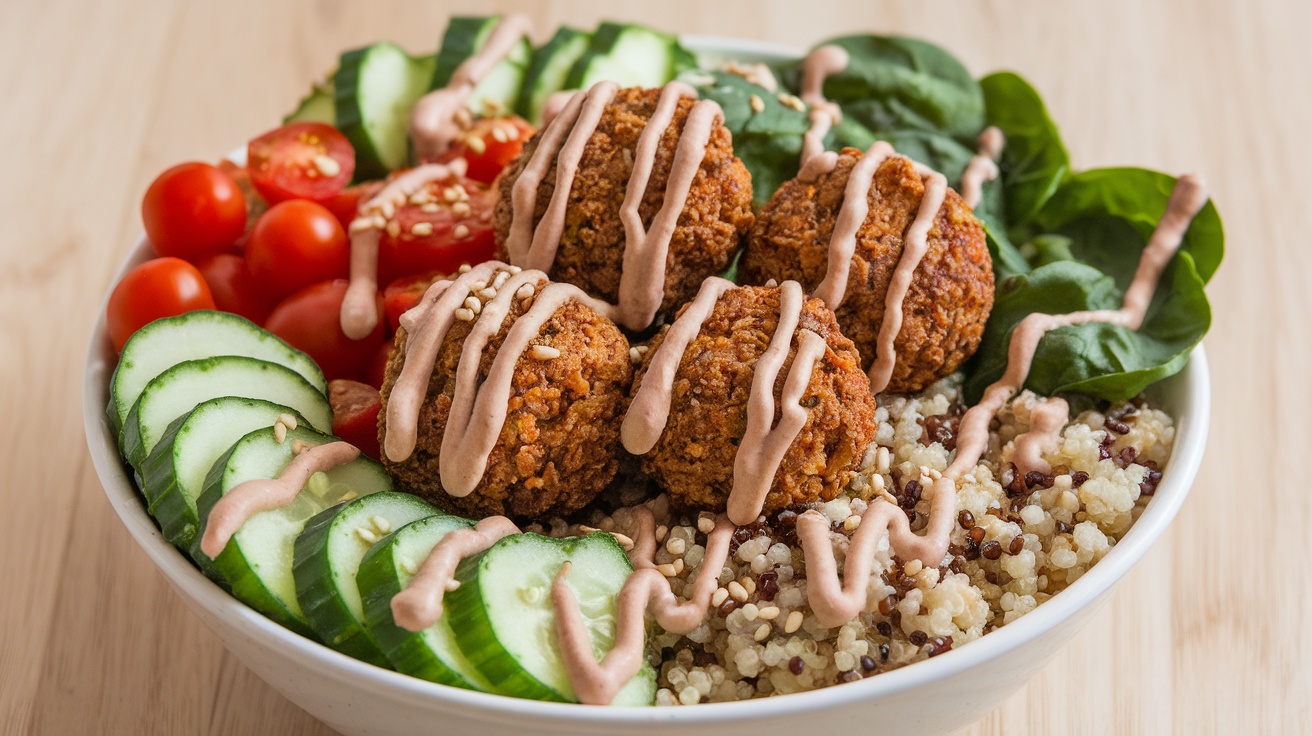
(1034, 161)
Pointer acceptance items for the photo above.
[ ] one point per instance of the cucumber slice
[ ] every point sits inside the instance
(547, 71)
(173, 475)
(327, 558)
(498, 92)
(431, 654)
(630, 55)
(373, 92)
(506, 620)
(166, 342)
(180, 389)
(257, 563)
(316, 107)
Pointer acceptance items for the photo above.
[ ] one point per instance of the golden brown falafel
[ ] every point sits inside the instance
(559, 445)
(714, 221)
(694, 458)
(951, 293)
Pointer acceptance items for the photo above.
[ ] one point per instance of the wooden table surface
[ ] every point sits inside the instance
(1204, 636)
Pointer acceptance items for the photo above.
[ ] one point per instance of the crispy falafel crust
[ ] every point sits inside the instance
(559, 446)
(694, 458)
(712, 226)
(951, 293)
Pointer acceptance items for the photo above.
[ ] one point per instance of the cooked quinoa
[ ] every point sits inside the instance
(1017, 542)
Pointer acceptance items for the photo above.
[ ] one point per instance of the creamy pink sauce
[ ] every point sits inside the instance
(835, 603)
(596, 683)
(983, 166)
(1047, 419)
(433, 123)
(251, 497)
(642, 276)
(419, 605)
(554, 103)
(359, 313)
(478, 410)
(842, 242)
(819, 65)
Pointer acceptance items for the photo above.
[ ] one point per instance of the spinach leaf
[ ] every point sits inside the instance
(1034, 161)
(893, 83)
(1097, 224)
(769, 142)
(1109, 214)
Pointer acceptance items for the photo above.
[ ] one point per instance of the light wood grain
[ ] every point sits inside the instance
(1207, 635)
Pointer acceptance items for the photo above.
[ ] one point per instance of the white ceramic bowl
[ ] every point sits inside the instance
(929, 697)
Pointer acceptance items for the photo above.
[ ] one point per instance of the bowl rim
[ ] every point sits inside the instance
(1192, 418)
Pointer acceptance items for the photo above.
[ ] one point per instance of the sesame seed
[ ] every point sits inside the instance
(422, 228)
(499, 134)
(451, 194)
(719, 596)
(478, 285)
(913, 567)
(387, 209)
(500, 280)
(365, 535)
(661, 531)
(737, 591)
(667, 570)
(288, 420)
(852, 522)
(464, 268)
(543, 352)
(487, 292)
(280, 431)
(635, 357)
(624, 540)
(348, 496)
(524, 305)
(327, 165)
(299, 446)
(473, 304)
(394, 229)
(461, 209)
(642, 349)
(762, 632)
(475, 144)
(524, 292)
(769, 613)
(464, 315)
(748, 584)
(460, 231)
(791, 101)
(793, 622)
(772, 283)
(514, 269)
(360, 224)
(464, 118)
(678, 565)
(758, 105)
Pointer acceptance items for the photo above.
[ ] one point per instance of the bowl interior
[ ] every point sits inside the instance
(1186, 396)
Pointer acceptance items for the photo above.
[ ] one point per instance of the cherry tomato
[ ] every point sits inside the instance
(193, 210)
(295, 244)
(490, 145)
(404, 293)
(377, 369)
(162, 287)
(346, 205)
(355, 414)
(234, 289)
(311, 161)
(256, 204)
(309, 320)
(441, 239)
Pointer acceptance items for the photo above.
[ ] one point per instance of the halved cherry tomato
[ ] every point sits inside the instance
(490, 145)
(377, 369)
(454, 228)
(256, 204)
(192, 211)
(346, 205)
(355, 414)
(234, 289)
(310, 320)
(404, 293)
(295, 244)
(311, 161)
(162, 287)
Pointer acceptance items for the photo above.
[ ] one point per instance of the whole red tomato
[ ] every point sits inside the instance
(295, 244)
(192, 211)
(439, 235)
(490, 145)
(234, 289)
(158, 288)
(311, 161)
(310, 320)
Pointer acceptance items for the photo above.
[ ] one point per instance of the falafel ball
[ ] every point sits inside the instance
(951, 292)
(560, 444)
(715, 219)
(694, 459)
